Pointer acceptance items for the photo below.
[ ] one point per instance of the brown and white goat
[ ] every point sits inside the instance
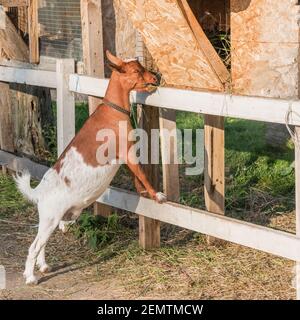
(77, 179)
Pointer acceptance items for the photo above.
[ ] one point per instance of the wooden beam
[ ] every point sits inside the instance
(207, 48)
(31, 77)
(6, 126)
(46, 64)
(14, 3)
(149, 229)
(33, 31)
(65, 105)
(226, 105)
(277, 242)
(214, 169)
(15, 163)
(93, 59)
(92, 43)
(213, 103)
(171, 187)
(147, 118)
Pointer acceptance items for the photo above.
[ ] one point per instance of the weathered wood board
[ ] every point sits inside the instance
(265, 47)
(172, 43)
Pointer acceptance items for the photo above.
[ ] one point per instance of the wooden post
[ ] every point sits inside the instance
(171, 187)
(6, 126)
(92, 43)
(149, 229)
(4, 169)
(33, 31)
(214, 172)
(297, 193)
(93, 59)
(148, 118)
(65, 104)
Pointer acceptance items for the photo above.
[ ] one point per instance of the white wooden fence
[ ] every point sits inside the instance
(64, 80)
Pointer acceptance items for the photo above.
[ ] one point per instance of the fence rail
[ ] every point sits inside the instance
(213, 103)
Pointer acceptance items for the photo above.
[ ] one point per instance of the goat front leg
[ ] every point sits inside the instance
(141, 178)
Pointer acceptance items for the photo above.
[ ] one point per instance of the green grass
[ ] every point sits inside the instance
(254, 170)
(96, 230)
(10, 199)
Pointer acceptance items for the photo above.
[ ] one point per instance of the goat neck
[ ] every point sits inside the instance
(116, 93)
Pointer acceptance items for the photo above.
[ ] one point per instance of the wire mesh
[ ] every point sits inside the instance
(60, 29)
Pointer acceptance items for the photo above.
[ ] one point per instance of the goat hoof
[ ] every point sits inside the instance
(64, 226)
(45, 269)
(31, 281)
(160, 197)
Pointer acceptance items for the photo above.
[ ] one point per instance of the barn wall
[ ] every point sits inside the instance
(265, 47)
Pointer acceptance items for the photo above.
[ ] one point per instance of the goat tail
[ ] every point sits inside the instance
(23, 184)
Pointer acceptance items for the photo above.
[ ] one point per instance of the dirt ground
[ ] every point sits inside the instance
(184, 268)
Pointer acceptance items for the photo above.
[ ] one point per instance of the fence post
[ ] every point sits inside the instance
(33, 31)
(214, 171)
(171, 187)
(65, 104)
(149, 229)
(6, 125)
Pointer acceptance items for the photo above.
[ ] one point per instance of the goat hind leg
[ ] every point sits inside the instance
(64, 226)
(46, 227)
(41, 261)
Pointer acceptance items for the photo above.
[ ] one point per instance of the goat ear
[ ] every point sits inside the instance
(113, 67)
(113, 59)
